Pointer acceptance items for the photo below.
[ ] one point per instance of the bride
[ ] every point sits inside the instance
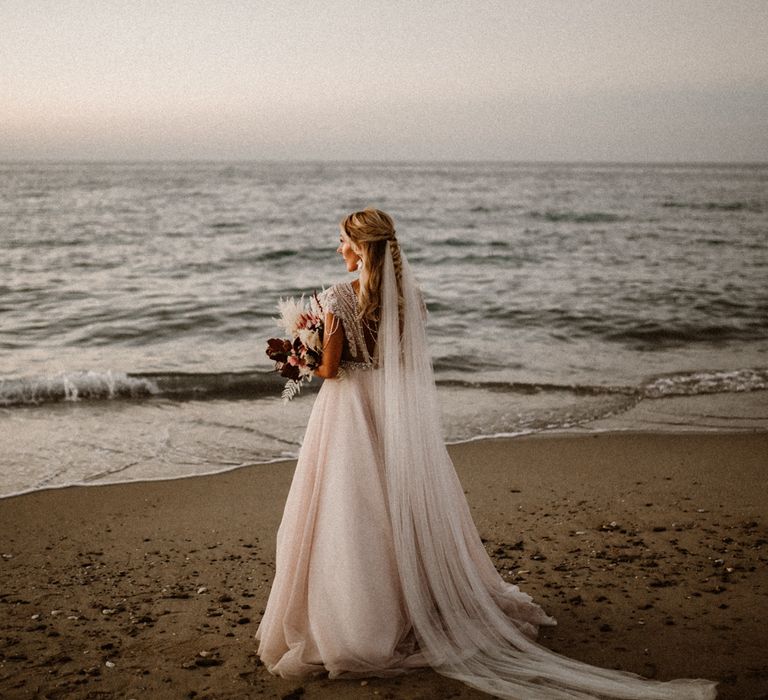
(379, 566)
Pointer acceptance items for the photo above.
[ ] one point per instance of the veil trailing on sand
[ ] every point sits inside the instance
(454, 597)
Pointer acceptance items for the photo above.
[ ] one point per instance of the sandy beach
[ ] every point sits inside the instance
(649, 549)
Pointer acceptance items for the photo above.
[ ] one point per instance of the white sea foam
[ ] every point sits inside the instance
(74, 386)
(707, 382)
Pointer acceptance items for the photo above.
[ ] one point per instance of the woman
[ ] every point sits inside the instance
(379, 566)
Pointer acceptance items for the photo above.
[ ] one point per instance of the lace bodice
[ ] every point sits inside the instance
(341, 301)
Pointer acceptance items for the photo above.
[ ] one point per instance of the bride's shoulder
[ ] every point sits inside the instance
(335, 289)
(332, 296)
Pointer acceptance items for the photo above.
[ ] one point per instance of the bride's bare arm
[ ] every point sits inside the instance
(333, 342)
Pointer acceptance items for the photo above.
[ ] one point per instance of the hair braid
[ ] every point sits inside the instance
(394, 247)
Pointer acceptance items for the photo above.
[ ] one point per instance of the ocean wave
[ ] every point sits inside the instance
(73, 386)
(304, 254)
(234, 385)
(109, 385)
(651, 335)
(456, 242)
(691, 383)
(182, 386)
(736, 205)
(220, 225)
(489, 258)
(706, 382)
(710, 320)
(589, 217)
(275, 255)
(543, 387)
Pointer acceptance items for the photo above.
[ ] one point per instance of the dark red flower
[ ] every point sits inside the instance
(290, 371)
(278, 349)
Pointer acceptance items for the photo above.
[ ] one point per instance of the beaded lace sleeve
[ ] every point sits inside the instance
(341, 301)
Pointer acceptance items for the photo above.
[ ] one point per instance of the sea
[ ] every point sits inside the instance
(136, 300)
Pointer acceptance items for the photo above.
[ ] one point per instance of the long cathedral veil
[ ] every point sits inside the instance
(458, 619)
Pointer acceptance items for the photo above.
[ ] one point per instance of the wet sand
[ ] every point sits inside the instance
(649, 549)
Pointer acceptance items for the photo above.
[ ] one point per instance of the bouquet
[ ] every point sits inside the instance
(296, 356)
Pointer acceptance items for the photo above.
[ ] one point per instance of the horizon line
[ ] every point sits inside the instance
(391, 161)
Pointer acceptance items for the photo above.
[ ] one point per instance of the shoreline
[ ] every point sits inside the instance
(99, 442)
(591, 428)
(644, 546)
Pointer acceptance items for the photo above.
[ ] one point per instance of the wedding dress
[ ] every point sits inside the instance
(379, 566)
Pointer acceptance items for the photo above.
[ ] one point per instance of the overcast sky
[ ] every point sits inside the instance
(619, 81)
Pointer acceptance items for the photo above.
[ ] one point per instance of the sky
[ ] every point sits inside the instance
(621, 80)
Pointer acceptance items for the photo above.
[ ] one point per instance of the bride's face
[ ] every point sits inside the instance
(345, 249)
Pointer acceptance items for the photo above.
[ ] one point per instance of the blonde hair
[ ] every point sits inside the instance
(370, 231)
